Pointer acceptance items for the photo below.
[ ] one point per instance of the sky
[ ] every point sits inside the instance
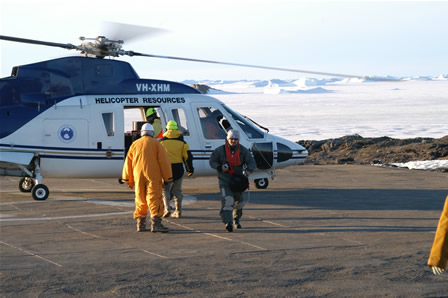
(397, 38)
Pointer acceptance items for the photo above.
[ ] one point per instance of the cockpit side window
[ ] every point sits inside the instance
(249, 129)
(213, 122)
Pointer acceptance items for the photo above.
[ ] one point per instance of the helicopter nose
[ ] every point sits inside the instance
(290, 154)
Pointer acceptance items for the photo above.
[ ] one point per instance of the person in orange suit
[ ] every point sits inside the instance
(146, 168)
(439, 253)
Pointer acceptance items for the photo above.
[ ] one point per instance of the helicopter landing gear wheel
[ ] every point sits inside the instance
(40, 192)
(26, 184)
(261, 183)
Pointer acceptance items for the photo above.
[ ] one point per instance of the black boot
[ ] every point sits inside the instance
(237, 224)
(157, 225)
(229, 227)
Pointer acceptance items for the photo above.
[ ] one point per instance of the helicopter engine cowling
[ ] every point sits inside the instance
(289, 153)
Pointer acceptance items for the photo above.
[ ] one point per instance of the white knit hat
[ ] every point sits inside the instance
(147, 129)
(233, 134)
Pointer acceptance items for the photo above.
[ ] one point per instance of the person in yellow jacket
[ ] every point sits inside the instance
(179, 154)
(154, 120)
(146, 168)
(438, 258)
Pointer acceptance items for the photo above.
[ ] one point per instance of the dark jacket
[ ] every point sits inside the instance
(218, 158)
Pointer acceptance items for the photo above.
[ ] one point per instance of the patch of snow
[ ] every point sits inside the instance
(442, 77)
(307, 82)
(276, 90)
(424, 165)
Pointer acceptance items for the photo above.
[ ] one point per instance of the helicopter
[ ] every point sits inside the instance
(67, 117)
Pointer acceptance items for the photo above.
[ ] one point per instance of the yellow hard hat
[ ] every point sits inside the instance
(150, 112)
(171, 125)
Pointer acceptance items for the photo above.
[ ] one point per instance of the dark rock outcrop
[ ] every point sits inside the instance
(355, 149)
(201, 87)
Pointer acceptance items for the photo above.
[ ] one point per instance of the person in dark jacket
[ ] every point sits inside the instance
(234, 163)
(179, 154)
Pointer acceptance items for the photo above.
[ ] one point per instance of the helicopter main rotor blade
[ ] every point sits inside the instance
(68, 46)
(127, 32)
(112, 48)
(266, 67)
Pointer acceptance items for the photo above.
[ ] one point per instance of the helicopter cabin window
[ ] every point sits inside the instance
(181, 120)
(246, 125)
(108, 119)
(213, 123)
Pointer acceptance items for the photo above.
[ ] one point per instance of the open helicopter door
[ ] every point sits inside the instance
(134, 118)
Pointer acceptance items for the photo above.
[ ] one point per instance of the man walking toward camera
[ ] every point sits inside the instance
(234, 163)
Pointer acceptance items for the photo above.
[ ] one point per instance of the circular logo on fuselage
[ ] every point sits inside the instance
(67, 133)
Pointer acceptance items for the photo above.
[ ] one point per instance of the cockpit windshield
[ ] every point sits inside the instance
(249, 128)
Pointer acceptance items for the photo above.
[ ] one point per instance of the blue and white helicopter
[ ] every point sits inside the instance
(66, 118)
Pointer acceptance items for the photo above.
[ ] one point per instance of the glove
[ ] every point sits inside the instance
(437, 270)
(166, 182)
(190, 174)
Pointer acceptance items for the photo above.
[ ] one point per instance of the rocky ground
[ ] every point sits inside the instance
(355, 149)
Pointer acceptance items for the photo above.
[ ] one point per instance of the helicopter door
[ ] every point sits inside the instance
(63, 136)
(185, 124)
(71, 133)
(178, 115)
(212, 124)
(264, 155)
(212, 128)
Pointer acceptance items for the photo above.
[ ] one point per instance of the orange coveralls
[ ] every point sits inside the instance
(439, 251)
(146, 167)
